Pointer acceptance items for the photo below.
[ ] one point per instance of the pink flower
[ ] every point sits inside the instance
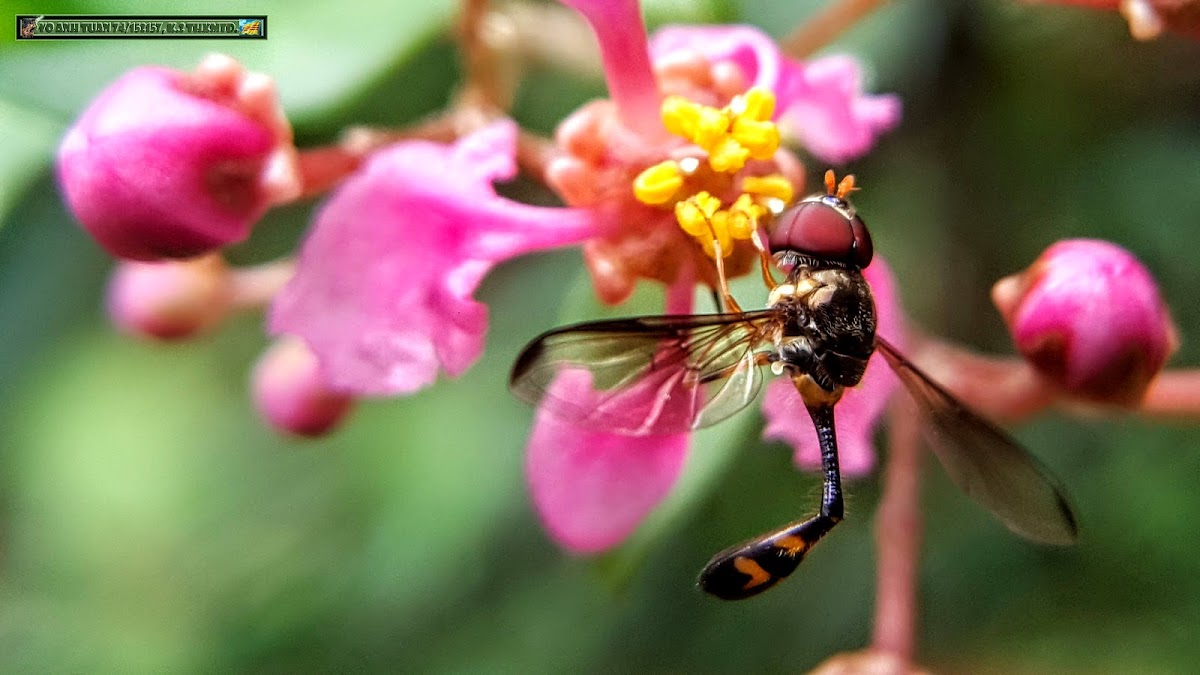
(383, 288)
(820, 102)
(592, 488)
(1088, 316)
(173, 165)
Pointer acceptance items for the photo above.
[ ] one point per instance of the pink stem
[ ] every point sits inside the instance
(898, 537)
(322, 168)
(1004, 389)
(254, 287)
(1008, 389)
(1175, 394)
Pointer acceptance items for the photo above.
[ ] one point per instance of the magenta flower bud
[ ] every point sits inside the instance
(1088, 316)
(291, 393)
(171, 299)
(165, 164)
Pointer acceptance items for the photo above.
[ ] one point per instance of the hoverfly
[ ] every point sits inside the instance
(819, 330)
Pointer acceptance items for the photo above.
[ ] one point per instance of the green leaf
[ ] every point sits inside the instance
(28, 139)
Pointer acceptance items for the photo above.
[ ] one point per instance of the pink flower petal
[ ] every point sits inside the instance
(753, 51)
(591, 488)
(631, 85)
(821, 102)
(383, 288)
(860, 408)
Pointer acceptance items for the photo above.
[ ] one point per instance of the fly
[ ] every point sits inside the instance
(672, 374)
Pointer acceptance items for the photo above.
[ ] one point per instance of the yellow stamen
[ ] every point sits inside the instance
(727, 156)
(720, 232)
(702, 218)
(743, 217)
(711, 127)
(758, 104)
(658, 184)
(695, 214)
(761, 139)
(731, 135)
(680, 116)
(773, 186)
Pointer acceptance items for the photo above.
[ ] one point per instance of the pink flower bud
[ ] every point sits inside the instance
(1088, 316)
(170, 299)
(291, 393)
(166, 164)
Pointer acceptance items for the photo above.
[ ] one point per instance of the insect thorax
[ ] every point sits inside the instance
(829, 324)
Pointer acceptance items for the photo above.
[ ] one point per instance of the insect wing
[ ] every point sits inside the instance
(986, 463)
(645, 375)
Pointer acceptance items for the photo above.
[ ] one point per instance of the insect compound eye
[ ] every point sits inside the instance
(817, 228)
(864, 250)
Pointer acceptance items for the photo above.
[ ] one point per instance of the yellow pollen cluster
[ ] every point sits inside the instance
(702, 217)
(730, 136)
(658, 184)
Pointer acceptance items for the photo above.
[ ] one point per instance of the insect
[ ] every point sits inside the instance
(670, 374)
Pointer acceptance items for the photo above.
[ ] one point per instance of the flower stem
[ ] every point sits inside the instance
(1175, 394)
(323, 167)
(1008, 389)
(1002, 388)
(829, 23)
(254, 287)
(534, 153)
(490, 80)
(898, 537)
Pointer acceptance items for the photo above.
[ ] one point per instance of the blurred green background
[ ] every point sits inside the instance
(150, 522)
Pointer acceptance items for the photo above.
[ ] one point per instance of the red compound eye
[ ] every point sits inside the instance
(820, 228)
(864, 250)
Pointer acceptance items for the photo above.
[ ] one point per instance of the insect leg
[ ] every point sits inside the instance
(751, 568)
(731, 305)
(764, 260)
(716, 298)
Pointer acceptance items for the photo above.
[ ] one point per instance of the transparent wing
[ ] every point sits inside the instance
(986, 462)
(645, 375)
